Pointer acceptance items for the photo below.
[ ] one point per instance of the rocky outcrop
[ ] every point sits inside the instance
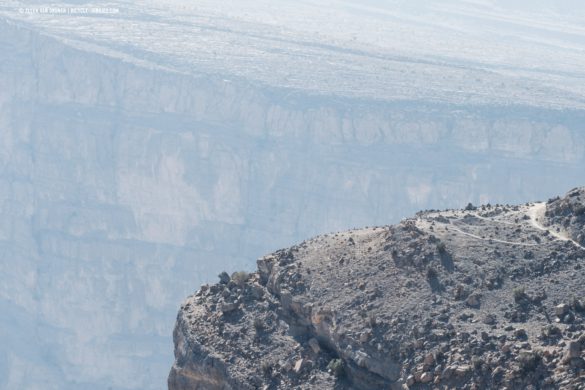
(568, 215)
(480, 298)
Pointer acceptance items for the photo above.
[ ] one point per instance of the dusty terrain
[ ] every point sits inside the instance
(486, 297)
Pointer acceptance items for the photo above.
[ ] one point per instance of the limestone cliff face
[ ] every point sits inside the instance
(462, 299)
(124, 182)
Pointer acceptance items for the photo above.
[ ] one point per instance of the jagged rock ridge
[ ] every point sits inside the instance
(486, 297)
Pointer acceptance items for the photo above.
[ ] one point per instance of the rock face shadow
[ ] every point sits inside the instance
(447, 262)
(436, 285)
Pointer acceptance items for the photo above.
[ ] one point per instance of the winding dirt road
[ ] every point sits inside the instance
(536, 214)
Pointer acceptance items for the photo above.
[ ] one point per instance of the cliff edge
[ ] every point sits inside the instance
(486, 297)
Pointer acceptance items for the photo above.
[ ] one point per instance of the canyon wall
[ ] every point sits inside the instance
(125, 185)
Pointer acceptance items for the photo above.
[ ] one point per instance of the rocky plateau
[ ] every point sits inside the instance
(479, 298)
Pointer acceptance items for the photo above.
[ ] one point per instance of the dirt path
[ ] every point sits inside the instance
(451, 227)
(536, 214)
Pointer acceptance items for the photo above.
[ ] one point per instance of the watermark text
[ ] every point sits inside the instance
(69, 11)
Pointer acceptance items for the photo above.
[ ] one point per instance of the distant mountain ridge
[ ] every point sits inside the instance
(453, 51)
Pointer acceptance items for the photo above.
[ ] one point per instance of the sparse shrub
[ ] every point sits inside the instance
(372, 320)
(267, 367)
(550, 331)
(224, 278)
(528, 360)
(259, 324)
(520, 294)
(461, 292)
(476, 362)
(335, 366)
(578, 304)
(240, 277)
(431, 273)
(579, 210)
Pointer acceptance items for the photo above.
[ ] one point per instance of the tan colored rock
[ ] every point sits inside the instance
(227, 307)
(447, 373)
(314, 344)
(298, 367)
(462, 370)
(365, 336)
(426, 377)
(573, 351)
(473, 300)
(429, 359)
(410, 380)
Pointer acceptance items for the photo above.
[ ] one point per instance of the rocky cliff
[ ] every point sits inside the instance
(135, 165)
(486, 297)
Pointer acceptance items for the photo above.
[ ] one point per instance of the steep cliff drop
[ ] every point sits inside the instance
(489, 296)
(136, 166)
